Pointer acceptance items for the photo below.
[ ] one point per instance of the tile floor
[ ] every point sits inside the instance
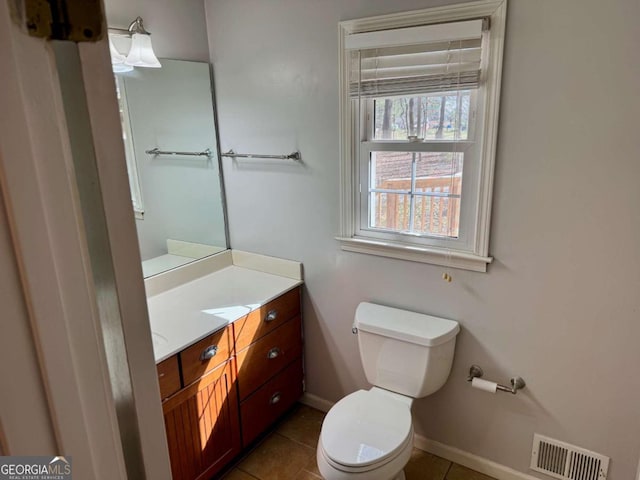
(289, 453)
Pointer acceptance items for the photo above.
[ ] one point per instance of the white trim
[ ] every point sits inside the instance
(434, 256)
(316, 402)
(446, 13)
(144, 403)
(482, 196)
(413, 35)
(130, 152)
(469, 460)
(347, 173)
(490, 125)
(443, 244)
(37, 176)
(466, 459)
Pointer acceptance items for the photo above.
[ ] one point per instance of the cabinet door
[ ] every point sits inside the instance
(271, 401)
(203, 431)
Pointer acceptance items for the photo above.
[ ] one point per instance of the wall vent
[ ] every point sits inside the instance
(567, 462)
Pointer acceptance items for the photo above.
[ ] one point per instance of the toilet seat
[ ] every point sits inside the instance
(366, 430)
(405, 449)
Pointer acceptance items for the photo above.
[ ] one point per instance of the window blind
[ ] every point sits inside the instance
(407, 61)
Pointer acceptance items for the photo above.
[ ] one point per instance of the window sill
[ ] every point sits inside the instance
(434, 256)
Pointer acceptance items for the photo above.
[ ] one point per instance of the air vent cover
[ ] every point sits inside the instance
(567, 462)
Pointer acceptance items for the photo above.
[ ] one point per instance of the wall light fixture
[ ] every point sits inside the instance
(140, 53)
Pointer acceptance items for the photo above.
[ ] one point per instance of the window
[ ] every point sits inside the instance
(419, 98)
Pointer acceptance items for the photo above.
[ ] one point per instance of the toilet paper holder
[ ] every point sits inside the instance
(517, 383)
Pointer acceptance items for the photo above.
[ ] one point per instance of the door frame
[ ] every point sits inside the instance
(51, 250)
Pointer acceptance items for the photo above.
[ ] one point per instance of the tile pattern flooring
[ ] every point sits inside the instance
(289, 453)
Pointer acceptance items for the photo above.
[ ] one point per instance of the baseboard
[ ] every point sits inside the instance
(469, 460)
(316, 402)
(466, 459)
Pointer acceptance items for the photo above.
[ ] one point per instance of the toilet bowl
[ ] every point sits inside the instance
(368, 435)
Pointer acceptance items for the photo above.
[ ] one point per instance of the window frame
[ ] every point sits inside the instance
(129, 149)
(469, 187)
(471, 250)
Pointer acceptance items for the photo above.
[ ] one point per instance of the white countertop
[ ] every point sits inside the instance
(189, 312)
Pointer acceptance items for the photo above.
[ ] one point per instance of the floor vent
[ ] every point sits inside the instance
(567, 462)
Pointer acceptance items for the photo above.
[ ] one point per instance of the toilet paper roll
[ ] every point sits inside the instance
(484, 385)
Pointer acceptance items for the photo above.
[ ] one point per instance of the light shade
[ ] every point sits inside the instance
(117, 60)
(141, 53)
(121, 68)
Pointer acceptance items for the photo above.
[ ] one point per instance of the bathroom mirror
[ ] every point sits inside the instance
(177, 197)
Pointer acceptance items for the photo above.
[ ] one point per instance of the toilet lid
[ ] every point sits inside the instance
(365, 427)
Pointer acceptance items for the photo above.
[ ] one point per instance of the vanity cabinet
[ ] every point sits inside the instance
(202, 425)
(269, 355)
(269, 360)
(268, 403)
(222, 392)
(169, 377)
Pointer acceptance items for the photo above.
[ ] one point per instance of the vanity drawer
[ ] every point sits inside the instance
(263, 359)
(206, 355)
(168, 376)
(273, 399)
(267, 318)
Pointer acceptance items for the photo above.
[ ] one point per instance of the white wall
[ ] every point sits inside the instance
(560, 303)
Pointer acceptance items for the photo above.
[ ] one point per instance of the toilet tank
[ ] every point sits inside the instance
(405, 352)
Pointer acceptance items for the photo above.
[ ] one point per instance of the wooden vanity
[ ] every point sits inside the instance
(220, 393)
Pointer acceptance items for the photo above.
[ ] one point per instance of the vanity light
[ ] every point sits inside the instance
(140, 53)
(117, 59)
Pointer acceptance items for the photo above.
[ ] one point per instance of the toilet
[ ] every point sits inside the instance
(369, 433)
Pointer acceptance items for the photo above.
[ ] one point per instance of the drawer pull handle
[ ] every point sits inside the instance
(275, 398)
(208, 352)
(271, 316)
(160, 375)
(274, 353)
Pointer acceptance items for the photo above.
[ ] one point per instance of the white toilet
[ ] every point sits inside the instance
(369, 433)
